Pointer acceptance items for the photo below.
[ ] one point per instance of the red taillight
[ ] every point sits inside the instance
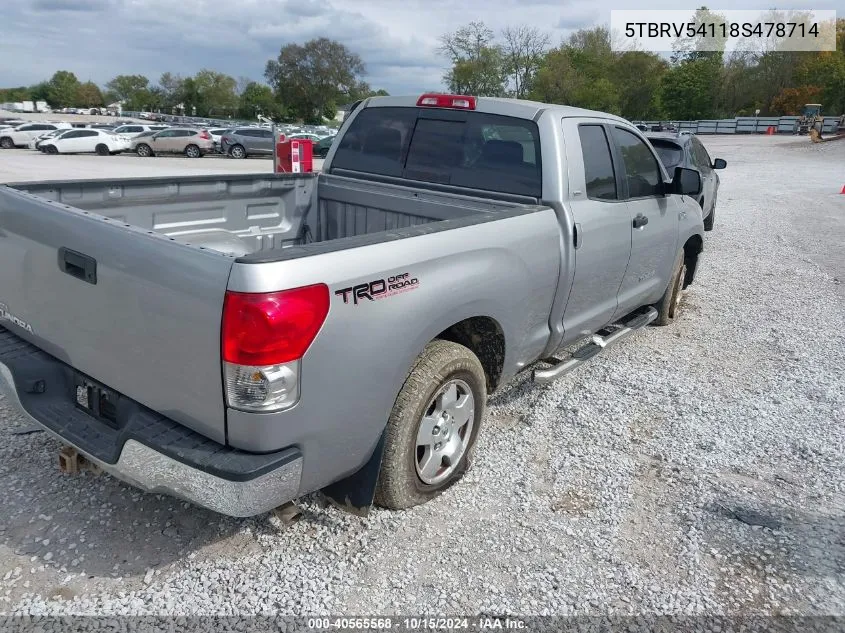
(205, 135)
(272, 328)
(460, 102)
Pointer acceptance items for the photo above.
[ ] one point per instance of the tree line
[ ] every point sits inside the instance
(309, 81)
(305, 82)
(693, 84)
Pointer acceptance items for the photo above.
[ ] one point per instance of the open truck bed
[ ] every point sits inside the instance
(124, 281)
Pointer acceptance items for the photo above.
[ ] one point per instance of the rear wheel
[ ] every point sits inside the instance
(102, 150)
(237, 151)
(669, 304)
(433, 426)
(143, 150)
(192, 151)
(6, 143)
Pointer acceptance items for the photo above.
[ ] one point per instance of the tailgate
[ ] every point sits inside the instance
(134, 310)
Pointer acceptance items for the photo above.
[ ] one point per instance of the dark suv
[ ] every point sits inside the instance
(686, 150)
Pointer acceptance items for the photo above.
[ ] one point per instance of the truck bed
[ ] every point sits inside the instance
(145, 319)
(247, 214)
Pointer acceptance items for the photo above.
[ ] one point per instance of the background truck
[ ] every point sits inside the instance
(241, 340)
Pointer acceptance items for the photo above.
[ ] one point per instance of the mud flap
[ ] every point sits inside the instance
(355, 493)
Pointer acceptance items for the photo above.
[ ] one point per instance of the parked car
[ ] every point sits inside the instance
(188, 141)
(687, 150)
(247, 141)
(217, 136)
(85, 141)
(322, 147)
(23, 134)
(303, 135)
(37, 142)
(224, 368)
(133, 129)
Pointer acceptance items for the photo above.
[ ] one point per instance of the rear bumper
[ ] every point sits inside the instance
(146, 449)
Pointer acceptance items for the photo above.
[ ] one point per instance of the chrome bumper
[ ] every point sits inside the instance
(150, 470)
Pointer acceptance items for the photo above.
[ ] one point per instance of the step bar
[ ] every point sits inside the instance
(595, 347)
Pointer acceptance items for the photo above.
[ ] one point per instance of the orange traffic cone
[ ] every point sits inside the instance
(770, 130)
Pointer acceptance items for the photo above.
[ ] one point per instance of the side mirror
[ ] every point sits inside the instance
(687, 182)
(720, 163)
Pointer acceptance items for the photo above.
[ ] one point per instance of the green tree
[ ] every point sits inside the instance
(309, 78)
(89, 95)
(40, 91)
(215, 93)
(258, 99)
(523, 50)
(686, 91)
(478, 63)
(15, 94)
(171, 87)
(636, 76)
(131, 89)
(64, 86)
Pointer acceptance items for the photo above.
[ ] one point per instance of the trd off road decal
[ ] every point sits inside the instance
(379, 289)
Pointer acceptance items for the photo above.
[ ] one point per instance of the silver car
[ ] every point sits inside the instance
(247, 141)
(191, 142)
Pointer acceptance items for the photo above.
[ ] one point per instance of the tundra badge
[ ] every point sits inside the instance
(5, 315)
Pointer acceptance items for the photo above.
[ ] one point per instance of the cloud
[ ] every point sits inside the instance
(398, 41)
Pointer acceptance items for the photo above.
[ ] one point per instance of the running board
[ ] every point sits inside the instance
(594, 347)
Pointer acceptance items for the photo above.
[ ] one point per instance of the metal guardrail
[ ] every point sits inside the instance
(745, 125)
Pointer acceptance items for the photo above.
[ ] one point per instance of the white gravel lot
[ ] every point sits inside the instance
(693, 469)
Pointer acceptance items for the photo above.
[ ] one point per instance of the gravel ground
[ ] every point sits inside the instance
(693, 469)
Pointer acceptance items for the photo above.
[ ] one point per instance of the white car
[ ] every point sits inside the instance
(38, 140)
(132, 129)
(86, 140)
(23, 134)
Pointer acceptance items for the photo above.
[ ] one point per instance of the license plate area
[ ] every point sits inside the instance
(96, 400)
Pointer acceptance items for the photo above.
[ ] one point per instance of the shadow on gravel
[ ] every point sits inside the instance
(816, 538)
(91, 523)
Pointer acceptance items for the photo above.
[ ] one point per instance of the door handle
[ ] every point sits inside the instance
(640, 221)
(78, 265)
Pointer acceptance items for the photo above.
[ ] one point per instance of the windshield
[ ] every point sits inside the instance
(671, 155)
(460, 148)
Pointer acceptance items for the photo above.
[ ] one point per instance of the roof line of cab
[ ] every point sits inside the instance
(518, 108)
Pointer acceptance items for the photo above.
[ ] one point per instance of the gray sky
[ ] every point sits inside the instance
(397, 39)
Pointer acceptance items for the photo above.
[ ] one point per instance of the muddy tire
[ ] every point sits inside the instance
(668, 306)
(433, 426)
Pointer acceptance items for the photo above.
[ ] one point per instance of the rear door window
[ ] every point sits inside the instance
(599, 174)
(460, 148)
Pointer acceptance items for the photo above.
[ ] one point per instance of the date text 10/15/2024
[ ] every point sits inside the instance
(476, 623)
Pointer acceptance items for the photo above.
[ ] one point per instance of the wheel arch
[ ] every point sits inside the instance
(484, 337)
(692, 249)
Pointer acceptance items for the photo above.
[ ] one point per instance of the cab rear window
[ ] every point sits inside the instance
(465, 149)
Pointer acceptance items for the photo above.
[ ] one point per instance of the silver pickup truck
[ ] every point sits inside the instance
(239, 341)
